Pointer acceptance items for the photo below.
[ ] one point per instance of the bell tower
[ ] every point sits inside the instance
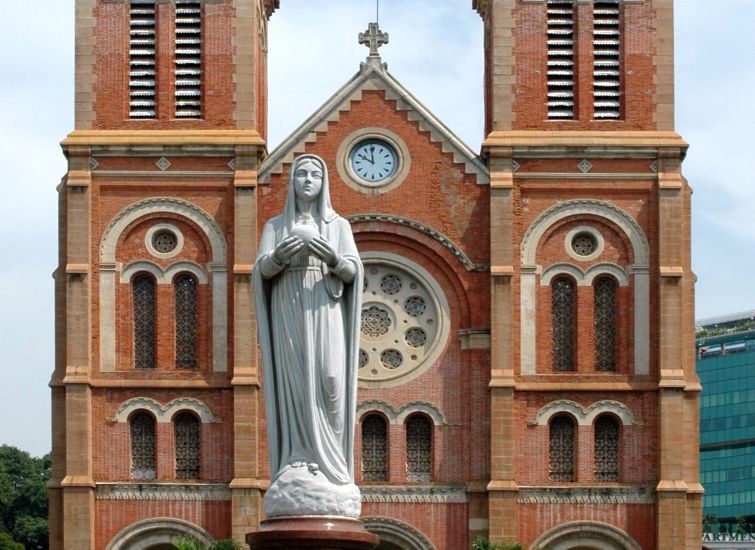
(154, 393)
(594, 397)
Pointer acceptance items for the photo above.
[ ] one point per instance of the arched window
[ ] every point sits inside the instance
(185, 293)
(563, 298)
(606, 449)
(561, 448)
(142, 426)
(419, 449)
(605, 315)
(144, 299)
(186, 428)
(374, 449)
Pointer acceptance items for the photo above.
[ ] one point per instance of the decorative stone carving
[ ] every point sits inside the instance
(441, 494)
(405, 320)
(308, 300)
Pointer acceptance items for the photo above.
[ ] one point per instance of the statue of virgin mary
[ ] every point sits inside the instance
(308, 288)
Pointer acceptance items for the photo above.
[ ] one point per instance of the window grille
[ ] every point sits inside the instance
(188, 68)
(419, 449)
(143, 288)
(561, 451)
(142, 427)
(605, 316)
(563, 294)
(142, 59)
(560, 59)
(185, 294)
(606, 60)
(186, 429)
(606, 449)
(374, 449)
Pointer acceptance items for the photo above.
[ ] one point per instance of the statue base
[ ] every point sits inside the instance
(312, 533)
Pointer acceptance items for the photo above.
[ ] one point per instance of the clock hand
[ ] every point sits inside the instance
(363, 157)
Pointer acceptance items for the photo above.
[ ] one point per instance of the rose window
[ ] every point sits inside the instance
(403, 321)
(164, 241)
(375, 322)
(584, 244)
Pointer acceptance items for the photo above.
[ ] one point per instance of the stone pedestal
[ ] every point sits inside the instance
(312, 533)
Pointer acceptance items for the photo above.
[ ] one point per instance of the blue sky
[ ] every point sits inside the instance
(435, 50)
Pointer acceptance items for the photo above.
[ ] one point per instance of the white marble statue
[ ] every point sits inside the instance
(308, 289)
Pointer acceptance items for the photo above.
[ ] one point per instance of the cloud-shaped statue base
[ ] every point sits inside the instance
(304, 491)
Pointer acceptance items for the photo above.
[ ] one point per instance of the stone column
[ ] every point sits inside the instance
(502, 489)
(246, 493)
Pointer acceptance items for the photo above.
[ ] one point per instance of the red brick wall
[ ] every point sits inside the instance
(530, 69)
(112, 66)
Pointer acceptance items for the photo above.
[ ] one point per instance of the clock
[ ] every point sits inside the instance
(373, 161)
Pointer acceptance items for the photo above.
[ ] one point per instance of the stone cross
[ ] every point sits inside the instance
(374, 38)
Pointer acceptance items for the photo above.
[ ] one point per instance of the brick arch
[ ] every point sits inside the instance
(152, 532)
(591, 535)
(640, 271)
(109, 268)
(167, 412)
(397, 534)
(584, 416)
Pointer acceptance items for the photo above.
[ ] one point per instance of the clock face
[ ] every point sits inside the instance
(373, 160)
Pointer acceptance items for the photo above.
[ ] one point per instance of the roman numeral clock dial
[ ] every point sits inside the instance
(373, 161)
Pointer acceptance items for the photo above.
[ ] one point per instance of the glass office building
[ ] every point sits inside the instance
(726, 368)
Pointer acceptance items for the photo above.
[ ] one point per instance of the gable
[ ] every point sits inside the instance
(373, 76)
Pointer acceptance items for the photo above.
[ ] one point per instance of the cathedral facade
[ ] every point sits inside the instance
(526, 364)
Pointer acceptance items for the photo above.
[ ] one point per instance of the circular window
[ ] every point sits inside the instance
(404, 321)
(584, 243)
(163, 240)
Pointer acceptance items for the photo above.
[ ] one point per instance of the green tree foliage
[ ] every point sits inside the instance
(190, 543)
(481, 543)
(23, 500)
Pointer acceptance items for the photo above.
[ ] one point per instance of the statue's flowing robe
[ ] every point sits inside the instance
(308, 326)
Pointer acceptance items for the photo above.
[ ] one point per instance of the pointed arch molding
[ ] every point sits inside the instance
(585, 534)
(164, 413)
(397, 533)
(217, 268)
(150, 532)
(396, 416)
(640, 272)
(585, 416)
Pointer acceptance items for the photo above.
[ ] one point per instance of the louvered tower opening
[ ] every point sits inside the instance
(188, 59)
(606, 60)
(142, 59)
(560, 59)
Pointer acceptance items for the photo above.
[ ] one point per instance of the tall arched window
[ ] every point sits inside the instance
(561, 448)
(142, 427)
(606, 449)
(186, 428)
(144, 299)
(605, 315)
(419, 449)
(374, 449)
(185, 293)
(563, 323)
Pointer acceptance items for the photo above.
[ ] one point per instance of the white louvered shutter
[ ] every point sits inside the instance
(142, 59)
(560, 59)
(188, 70)
(606, 60)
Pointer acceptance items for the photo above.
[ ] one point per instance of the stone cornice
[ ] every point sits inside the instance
(127, 138)
(521, 142)
(586, 495)
(162, 491)
(440, 494)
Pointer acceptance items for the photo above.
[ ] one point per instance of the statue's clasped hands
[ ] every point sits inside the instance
(319, 246)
